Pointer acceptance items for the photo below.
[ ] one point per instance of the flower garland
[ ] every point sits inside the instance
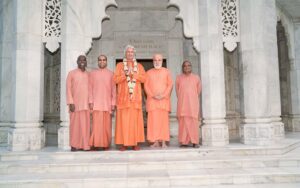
(130, 82)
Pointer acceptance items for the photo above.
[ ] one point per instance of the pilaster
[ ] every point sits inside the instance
(261, 107)
(214, 130)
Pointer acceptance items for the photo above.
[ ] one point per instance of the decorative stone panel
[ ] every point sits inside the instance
(52, 24)
(261, 133)
(215, 135)
(64, 138)
(230, 22)
(22, 139)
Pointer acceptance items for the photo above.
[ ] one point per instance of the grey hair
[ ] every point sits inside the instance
(126, 48)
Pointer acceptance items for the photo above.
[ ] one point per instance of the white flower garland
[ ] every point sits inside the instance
(130, 82)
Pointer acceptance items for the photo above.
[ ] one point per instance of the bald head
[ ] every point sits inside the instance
(187, 67)
(157, 61)
(81, 62)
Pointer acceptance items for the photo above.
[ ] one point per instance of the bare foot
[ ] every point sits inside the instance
(164, 145)
(123, 148)
(183, 145)
(155, 145)
(136, 148)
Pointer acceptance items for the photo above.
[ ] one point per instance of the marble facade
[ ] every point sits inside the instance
(248, 60)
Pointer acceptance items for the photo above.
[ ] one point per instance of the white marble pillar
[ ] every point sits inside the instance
(295, 81)
(6, 85)
(75, 42)
(214, 130)
(69, 53)
(259, 60)
(26, 76)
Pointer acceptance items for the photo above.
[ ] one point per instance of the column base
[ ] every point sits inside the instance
(64, 136)
(293, 123)
(4, 127)
(265, 132)
(26, 138)
(278, 130)
(215, 134)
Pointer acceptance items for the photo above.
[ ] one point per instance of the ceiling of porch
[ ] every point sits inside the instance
(292, 7)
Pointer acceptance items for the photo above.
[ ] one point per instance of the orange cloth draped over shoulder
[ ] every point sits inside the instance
(102, 94)
(188, 89)
(129, 121)
(158, 82)
(77, 94)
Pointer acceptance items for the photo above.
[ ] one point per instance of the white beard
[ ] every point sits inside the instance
(157, 66)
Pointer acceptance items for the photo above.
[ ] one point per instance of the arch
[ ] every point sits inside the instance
(188, 13)
(288, 25)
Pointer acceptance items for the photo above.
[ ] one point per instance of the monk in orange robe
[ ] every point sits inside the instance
(188, 89)
(77, 100)
(129, 121)
(102, 101)
(158, 87)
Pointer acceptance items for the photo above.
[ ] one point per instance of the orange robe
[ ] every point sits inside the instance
(188, 89)
(158, 82)
(129, 121)
(77, 94)
(102, 94)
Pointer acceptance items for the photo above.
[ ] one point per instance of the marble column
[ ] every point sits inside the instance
(295, 82)
(215, 129)
(74, 43)
(6, 85)
(25, 73)
(262, 124)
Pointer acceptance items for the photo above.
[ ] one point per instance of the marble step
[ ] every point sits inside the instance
(156, 178)
(265, 185)
(231, 150)
(102, 164)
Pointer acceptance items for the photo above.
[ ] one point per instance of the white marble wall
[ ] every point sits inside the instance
(25, 108)
(6, 59)
(259, 59)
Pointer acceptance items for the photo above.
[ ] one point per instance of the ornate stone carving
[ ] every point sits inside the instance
(230, 22)
(63, 138)
(24, 139)
(218, 133)
(264, 133)
(215, 135)
(52, 23)
(250, 132)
